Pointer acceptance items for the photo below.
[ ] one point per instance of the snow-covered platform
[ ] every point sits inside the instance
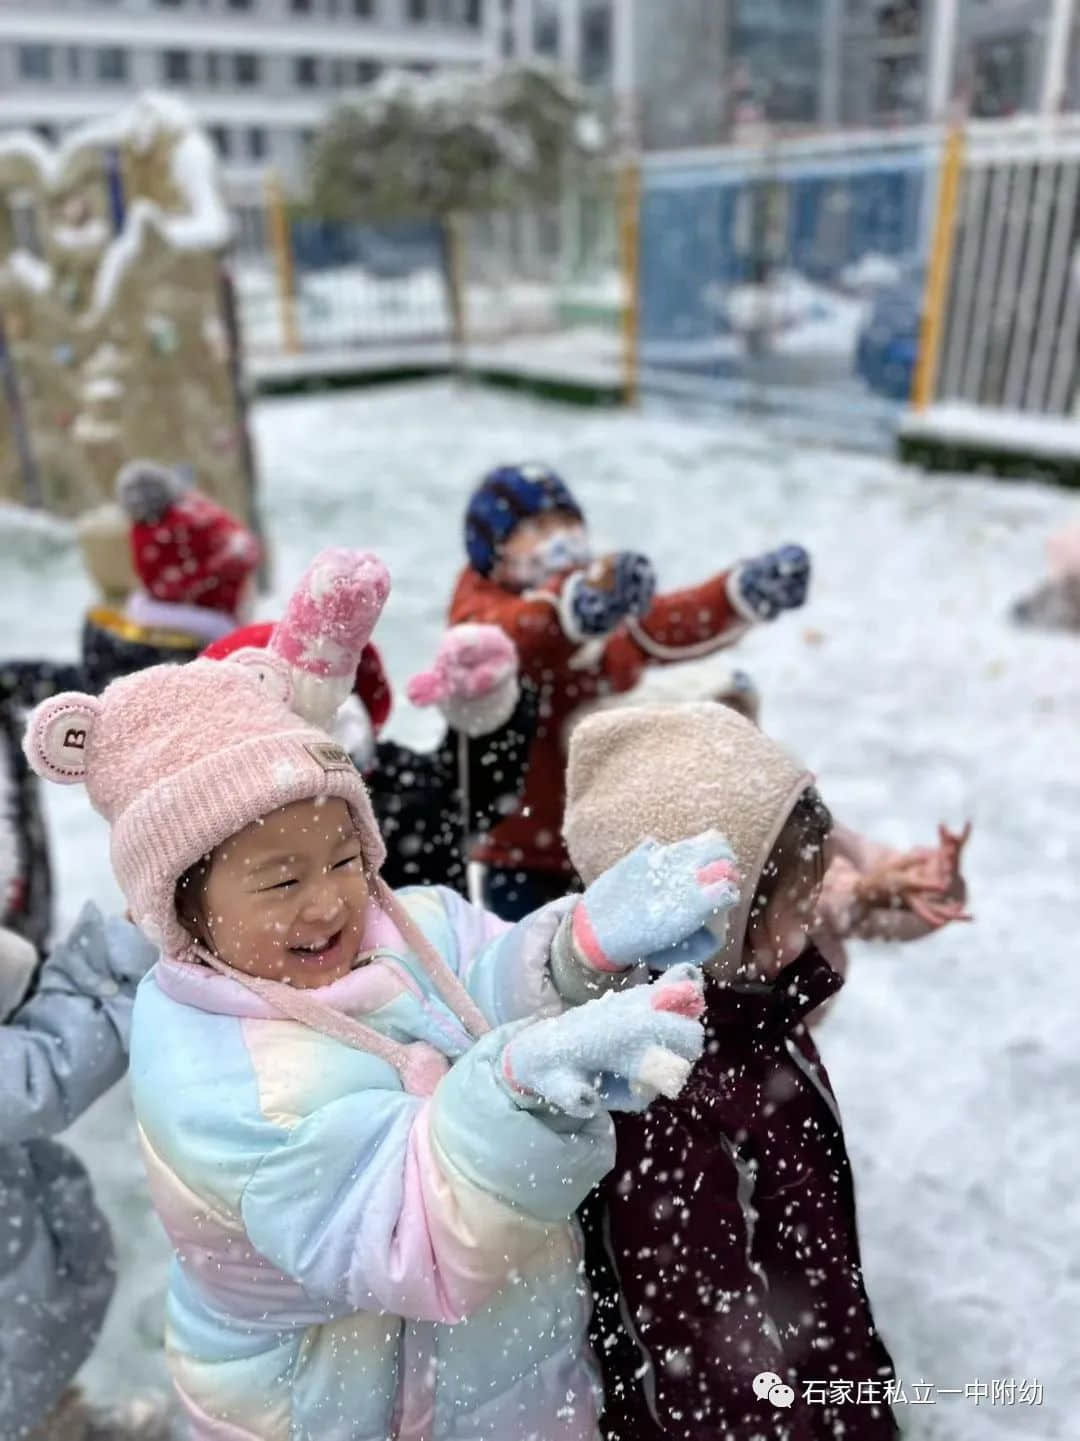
(582, 364)
(957, 437)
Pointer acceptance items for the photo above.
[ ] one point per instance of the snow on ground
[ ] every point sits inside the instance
(913, 700)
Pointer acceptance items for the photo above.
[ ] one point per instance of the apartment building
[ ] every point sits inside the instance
(260, 74)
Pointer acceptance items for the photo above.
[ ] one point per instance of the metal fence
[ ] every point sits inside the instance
(1012, 320)
(309, 288)
(788, 278)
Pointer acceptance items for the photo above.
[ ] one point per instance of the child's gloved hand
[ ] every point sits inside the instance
(473, 681)
(597, 599)
(618, 1052)
(927, 881)
(327, 623)
(332, 612)
(658, 905)
(776, 581)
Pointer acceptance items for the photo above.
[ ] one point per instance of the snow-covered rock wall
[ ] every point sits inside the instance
(115, 340)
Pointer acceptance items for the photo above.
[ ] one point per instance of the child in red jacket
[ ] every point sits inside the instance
(584, 627)
(195, 562)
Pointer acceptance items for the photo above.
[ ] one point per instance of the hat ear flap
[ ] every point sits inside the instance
(269, 670)
(57, 736)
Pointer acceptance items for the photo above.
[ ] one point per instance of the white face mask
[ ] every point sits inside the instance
(561, 551)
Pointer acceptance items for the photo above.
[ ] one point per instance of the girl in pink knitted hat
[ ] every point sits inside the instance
(367, 1117)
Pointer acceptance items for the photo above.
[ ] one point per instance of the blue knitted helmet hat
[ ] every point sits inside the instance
(503, 499)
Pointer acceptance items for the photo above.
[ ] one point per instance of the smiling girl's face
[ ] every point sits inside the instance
(286, 898)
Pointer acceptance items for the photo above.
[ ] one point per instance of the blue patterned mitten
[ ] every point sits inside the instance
(776, 581)
(596, 600)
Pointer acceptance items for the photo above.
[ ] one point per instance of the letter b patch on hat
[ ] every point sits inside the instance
(57, 736)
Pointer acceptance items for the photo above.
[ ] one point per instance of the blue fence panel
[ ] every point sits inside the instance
(793, 283)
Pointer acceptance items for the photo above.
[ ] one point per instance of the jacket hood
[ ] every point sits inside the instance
(668, 772)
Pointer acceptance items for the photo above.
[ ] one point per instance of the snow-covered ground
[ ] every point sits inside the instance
(913, 700)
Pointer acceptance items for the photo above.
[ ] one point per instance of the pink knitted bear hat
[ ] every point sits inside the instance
(179, 758)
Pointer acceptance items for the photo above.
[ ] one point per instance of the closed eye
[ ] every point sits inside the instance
(348, 861)
(277, 886)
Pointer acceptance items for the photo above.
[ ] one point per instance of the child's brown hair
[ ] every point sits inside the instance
(798, 854)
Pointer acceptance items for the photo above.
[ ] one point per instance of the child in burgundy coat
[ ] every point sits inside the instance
(722, 1247)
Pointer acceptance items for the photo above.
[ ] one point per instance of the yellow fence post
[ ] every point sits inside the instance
(284, 271)
(629, 221)
(936, 294)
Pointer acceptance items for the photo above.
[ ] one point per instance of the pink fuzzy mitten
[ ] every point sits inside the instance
(327, 623)
(474, 680)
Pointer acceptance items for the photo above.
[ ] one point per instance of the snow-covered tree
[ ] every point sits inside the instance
(452, 144)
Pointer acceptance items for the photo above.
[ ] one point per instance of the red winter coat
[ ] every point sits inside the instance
(195, 554)
(683, 625)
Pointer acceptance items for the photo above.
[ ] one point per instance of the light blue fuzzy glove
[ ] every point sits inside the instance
(618, 1052)
(657, 906)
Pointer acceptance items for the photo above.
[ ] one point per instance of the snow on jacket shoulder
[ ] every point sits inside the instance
(332, 1229)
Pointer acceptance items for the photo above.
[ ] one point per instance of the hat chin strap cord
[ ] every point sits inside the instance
(411, 1062)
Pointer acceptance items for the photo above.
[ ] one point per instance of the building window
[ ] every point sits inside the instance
(1001, 72)
(900, 20)
(306, 71)
(35, 62)
(220, 136)
(545, 37)
(898, 87)
(212, 69)
(418, 10)
(474, 14)
(367, 71)
(74, 64)
(112, 66)
(170, 4)
(246, 68)
(364, 9)
(300, 7)
(176, 67)
(507, 43)
(239, 4)
(596, 44)
(256, 142)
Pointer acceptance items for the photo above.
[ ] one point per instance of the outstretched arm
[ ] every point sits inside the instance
(873, 893)
(689, 624)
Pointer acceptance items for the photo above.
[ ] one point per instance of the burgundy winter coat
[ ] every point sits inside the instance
(723, 1243)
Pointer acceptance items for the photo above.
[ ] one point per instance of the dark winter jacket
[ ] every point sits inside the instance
(25, 874)
(112, 646)
(724, 1245)
(432, 805)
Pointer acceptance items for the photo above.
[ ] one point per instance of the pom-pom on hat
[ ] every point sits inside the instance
(179, 758)
(505, 498)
